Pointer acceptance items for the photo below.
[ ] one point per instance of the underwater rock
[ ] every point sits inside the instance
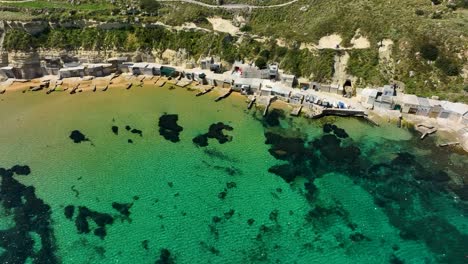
(122, 208)
(165, 257)
(137, 131)
(30, 215)
(130, 141)
(250, 221)
(128, 128)
(168, 127)
(115, 130)
(69, 211)
(21, 169)
(78, 137)
(231, 185)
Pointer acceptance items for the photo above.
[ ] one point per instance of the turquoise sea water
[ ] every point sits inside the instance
(377, 196)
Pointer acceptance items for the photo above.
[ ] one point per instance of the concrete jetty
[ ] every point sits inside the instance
(183, 83)
(205, 91)
(253, 99)
(225, 95)
(449, 144)
(162, 83)
(270, 100)
(296, 110)
(425, 129)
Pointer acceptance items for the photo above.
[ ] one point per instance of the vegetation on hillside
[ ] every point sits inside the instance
(429, 51)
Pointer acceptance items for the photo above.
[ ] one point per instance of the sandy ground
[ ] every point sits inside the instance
(360, 43)
(385, 50)
(329, 42)
(223, 25)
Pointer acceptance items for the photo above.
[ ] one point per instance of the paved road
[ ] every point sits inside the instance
(239, 6)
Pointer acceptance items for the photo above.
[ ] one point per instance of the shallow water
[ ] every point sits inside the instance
(220, 203)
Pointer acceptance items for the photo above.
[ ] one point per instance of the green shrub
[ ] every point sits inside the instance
(447, 66)
(429, 51)
(419, 12)
(261, 62)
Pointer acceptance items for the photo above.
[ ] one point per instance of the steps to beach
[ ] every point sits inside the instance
(225, 95)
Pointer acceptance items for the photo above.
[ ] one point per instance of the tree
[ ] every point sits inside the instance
(150, 6)
(261, 63)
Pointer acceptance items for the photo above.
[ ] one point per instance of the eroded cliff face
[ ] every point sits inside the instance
(30, 64)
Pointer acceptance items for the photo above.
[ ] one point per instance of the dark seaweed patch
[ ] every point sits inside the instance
(165, 257)
(286, 171)
(168, 127)
(115, 130)
(231, 185)
(222, 195)
(69, 210)
(358, 237)
(78, 137)
(130, 141)
(200, 140)
(250, 221)
(101, 220)
(137, 131)
(31, 215)
(217, 154)
(395, 260)
(122, 208)
(215, 131)
(272, 119)
(209, 248)
(229, 214)
(128, 128)
(339, 132)
(145, 244)
(21, 169)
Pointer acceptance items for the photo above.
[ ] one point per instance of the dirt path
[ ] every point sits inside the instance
(238, 6)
